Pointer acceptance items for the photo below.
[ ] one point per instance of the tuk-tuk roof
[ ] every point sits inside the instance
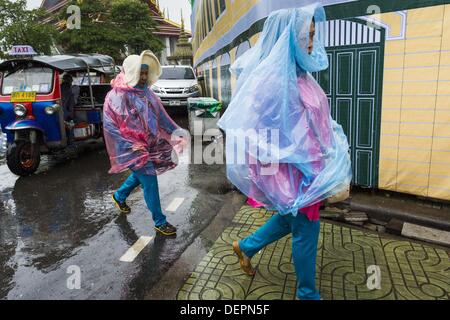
(81, 62)
(101, 63)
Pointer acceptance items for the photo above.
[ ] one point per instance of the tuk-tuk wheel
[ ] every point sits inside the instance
(21, 160)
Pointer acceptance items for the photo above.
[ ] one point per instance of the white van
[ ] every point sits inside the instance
(176, 85)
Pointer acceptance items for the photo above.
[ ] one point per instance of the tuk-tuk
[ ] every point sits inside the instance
(33, 105)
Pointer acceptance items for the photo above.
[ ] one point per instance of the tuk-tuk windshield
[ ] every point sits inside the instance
(37, 79)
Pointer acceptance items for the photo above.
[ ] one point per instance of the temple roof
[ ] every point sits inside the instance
(183, 49)
(53, 5)
(165, 27)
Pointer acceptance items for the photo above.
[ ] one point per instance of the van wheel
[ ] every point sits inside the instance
(21, 160)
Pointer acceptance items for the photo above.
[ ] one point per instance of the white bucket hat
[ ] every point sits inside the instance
(132, 68)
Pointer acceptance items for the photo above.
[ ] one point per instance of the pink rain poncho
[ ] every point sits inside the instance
(286, 182)
(139, 134)
(279, 117)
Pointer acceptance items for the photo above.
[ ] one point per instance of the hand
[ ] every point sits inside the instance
(180, 140)
(183, 142)
(139, 147)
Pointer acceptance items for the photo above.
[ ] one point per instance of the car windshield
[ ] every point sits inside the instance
(37, 79)
(172, 73)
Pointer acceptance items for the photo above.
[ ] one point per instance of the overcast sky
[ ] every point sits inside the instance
(173, 6)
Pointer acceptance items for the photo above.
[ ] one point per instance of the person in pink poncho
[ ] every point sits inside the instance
(278, 99)
(140, 135)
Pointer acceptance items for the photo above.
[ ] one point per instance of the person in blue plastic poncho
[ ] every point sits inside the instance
(291, 133)
(140, 135)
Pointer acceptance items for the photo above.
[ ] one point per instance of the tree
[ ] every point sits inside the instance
(135, 26)
(115, 28)
(20, 26)
(96, 33)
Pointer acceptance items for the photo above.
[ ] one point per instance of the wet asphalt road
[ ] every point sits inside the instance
(63, 216)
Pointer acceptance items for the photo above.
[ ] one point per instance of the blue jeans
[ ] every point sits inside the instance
(305, 237)
(151, 194)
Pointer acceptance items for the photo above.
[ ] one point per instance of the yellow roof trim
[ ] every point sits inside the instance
(176, 24)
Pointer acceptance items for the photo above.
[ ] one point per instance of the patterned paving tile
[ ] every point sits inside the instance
(409, 270)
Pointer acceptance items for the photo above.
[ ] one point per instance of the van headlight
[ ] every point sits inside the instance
(194, 88)
(20, 110)
(52, 109)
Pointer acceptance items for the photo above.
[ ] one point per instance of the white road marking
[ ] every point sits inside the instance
(135, 249)
(175, 204)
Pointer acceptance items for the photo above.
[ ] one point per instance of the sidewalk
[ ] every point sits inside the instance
(409, 270)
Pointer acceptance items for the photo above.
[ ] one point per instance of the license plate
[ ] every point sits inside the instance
(175, 103)
(23, 96)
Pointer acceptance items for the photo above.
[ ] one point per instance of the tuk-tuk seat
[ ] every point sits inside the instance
(99, 92)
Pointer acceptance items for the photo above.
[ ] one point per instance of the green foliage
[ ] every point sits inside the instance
(20, 26)
(95, 35)
(115, 28)
(135, 26)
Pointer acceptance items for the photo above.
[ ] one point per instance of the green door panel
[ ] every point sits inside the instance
(344, 116)
(367, 64)
(324, 77)
(344, 77)
(362, 168)
(364, 123)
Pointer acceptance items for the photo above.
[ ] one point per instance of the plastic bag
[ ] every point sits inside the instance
(283, 148)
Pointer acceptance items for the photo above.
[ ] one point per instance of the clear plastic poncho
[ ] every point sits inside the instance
(138, 132)
(283, 148)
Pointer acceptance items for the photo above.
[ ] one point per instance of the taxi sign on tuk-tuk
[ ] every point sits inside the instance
(21, 96)
(22, 50)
